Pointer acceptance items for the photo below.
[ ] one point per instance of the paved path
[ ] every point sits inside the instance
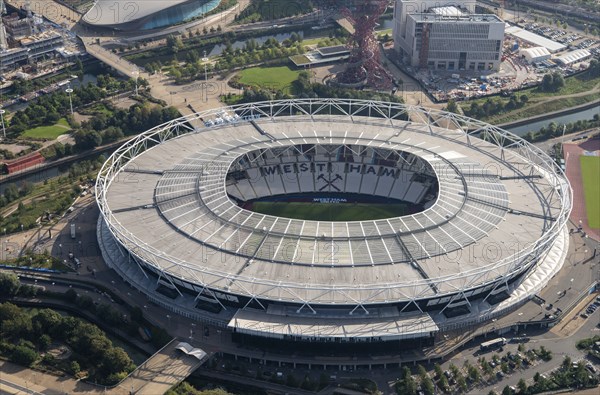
(16, 379)
(164, 370)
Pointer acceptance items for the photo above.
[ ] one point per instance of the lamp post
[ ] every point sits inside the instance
(136, 73)
(205, 61)
(2, 112)
(69, 91)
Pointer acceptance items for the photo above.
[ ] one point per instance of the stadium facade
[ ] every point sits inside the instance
(145, 15)
(486, 232)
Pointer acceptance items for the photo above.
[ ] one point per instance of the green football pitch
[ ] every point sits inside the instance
(590, 172)
(330, 211)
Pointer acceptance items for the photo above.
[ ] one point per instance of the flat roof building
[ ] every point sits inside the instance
(535, 39)
(449, 37)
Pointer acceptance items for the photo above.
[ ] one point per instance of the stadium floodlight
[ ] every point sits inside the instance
(70, 91)
(2, 112)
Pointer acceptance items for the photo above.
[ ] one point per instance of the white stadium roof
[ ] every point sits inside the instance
(535, 39)
(179, 216)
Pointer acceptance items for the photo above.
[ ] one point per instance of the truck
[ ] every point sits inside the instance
(492, 344)
(72, 231)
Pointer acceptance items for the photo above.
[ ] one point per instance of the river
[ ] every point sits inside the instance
(561, 119)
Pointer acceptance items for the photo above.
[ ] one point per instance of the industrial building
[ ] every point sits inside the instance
(535, 39)
(449, 37)
(535, 54)
(573, 57)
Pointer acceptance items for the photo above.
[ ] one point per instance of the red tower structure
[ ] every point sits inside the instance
(364, 66)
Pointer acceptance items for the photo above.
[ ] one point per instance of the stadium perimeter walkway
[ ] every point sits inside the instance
(165, 369)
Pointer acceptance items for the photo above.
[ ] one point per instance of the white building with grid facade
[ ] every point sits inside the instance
(448, 37)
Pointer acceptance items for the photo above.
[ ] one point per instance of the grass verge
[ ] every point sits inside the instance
(48, 132)
(272, 78)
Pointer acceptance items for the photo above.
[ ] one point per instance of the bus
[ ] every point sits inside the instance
(492, 344)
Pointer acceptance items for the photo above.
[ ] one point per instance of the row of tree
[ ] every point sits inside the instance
(48, 109)
(103, 128)
(493, 106)
(302, 87)
(556, 129)
(25, 334)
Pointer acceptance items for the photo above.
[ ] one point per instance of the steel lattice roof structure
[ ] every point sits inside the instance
(165, 197)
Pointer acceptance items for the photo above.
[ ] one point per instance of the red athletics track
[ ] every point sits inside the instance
(572, 152)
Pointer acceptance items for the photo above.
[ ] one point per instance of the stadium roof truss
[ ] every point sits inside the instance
(529, 163)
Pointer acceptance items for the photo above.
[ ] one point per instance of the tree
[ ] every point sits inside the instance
(11, 192)
(87, 139)
(407, 384)
(474, 374)
(45, 320)
(547, 82)
(462, 383)
(443, 384)
(174, 43)
(9, 284)
(74, 367)
(116, 360)
(438, 371)
(506, 390)
(452, 106)
(8, 311)
(522, 386)
(558, 81)
(44, 342)
(427, 385)
(24, 355)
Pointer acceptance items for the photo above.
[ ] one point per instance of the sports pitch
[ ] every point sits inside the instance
(330, 211)
(590, 172)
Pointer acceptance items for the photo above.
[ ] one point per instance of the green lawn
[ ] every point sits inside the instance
(590, 172)
(273, 78)
(330, 211)
(48, 132)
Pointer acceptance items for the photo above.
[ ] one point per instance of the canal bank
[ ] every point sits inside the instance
(582, 112)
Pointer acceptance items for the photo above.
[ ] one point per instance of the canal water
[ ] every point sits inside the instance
(562, 119)
(218, 49)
